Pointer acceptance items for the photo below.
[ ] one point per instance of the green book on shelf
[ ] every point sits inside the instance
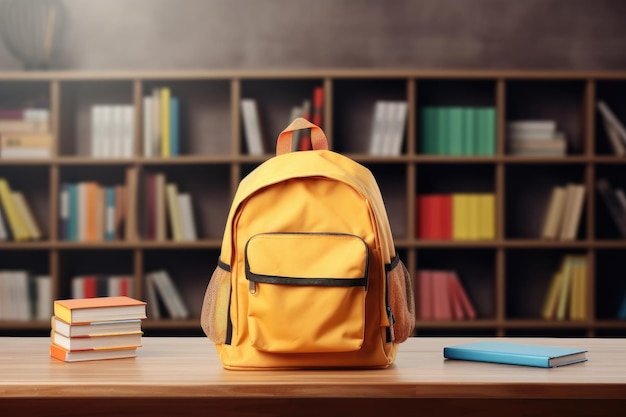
(455, 131)
(469, 131)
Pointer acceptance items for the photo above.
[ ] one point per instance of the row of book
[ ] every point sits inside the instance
(388, 127)
(563, 213)
(17, 220)
(25, 296)
(457, 216)
(25, 133)
(92, 212)
(161, 123)
(255, 130)
(535, 138)
(168, 208)
(615, 200)
(90, 286)
(112, 131)
(442, 296)
(458, 131)
(85, 329)
(567, 291)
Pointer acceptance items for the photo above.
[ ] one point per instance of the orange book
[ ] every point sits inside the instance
(87, 310)
(91, 211)
(61, 354)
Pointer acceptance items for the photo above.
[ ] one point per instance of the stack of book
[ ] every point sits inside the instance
(535, 138)
(88, 329)
(25, 133)
(112, 131)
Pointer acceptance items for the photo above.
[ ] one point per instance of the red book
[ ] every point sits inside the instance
(90, 288)
(441, 296)
(444, 219)
(150, 206)
(318, 106)
(427, 216)
(464, 300)
(455, 298)
(425, 294)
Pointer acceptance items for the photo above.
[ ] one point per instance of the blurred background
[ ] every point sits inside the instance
(194, 34)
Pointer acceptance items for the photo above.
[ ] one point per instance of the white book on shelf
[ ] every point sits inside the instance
(96, 131)
(187, 219)
(116, 129)
(611, 119)
(20, 295)
(44, 308)
(107, 132)
(128, 131)
(379, 123)
(78, 285)
(397, 123)
(170, 295)
(252, 126)
(36, 115)
(528, 126)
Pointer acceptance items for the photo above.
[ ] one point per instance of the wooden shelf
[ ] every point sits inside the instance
(507, 276)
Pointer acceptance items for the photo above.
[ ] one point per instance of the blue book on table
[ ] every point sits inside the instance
(516, 354)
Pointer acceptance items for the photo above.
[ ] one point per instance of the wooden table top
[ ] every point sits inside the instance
(189, 367)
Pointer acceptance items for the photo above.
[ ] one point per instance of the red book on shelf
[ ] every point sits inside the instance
(444, 216)
(441, 296)
(318, 106)
(424, 282)
(462, 298)
(427, 216)
(455, 297)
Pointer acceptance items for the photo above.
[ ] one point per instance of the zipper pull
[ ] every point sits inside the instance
(252, 287)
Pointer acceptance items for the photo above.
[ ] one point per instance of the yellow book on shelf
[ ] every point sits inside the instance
(27, 215)
(460, 216)
(16, 223)
(165, 121)
(564, 296)
(487, 210)
(473, 216)
(551, 299)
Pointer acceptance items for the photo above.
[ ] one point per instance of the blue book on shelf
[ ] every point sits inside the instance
(621, 314)
(515, 354)
(174, 126)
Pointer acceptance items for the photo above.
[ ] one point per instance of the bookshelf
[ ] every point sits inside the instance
(506, 277)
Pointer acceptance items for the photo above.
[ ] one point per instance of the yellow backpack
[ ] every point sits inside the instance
(308, 276)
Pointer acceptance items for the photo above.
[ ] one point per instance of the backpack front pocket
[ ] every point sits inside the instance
(307, 291)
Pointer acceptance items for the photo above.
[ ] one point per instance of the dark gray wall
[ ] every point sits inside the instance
(198, 34)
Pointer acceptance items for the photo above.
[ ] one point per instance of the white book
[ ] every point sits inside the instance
(186, 215)
(128, 131)
(169, 294)
(20, 295)
(106, 132)
(77, 287)
(148, 127)
(531, 126)
(397, 128)
(37, 115)
(117, 131)
(26, 153)
(252, 126)
(96, 131)
(44, 309)
(610, 118)
(377, 131)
